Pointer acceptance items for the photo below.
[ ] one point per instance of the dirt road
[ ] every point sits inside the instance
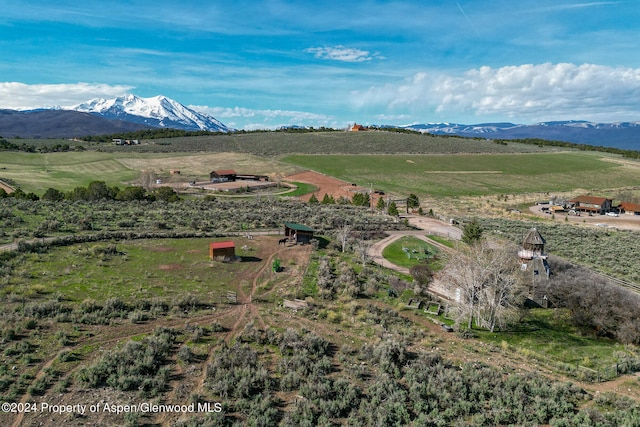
(622, 222)
(427, 226)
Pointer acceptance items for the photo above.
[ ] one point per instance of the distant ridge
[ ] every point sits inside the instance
(59, 124)
(623, 135)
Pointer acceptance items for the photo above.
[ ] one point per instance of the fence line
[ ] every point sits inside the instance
(620, 282)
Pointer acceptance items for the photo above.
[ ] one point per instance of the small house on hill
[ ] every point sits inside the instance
(298, 232)
(592, 204)
(226, 250)
(358, 128)
(222, 175)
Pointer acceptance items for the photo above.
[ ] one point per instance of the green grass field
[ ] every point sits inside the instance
(433, 166)
(418, 249)
(547, 335)
(35, 172)
(475, 174)
(143, 269)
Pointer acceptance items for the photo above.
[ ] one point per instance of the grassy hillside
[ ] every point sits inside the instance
(395, 162)
(35, 172)
(475, 174)
(336, 142)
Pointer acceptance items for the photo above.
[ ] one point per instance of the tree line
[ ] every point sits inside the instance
(29, 148)
(98, 190)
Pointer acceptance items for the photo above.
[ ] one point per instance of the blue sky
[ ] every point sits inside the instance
(263, 64)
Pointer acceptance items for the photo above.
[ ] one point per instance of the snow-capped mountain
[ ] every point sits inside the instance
(158, 111)
(457, 129)
(624, 135)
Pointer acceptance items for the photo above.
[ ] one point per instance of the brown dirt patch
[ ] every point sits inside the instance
(170, 267)
(6, 188)
(329, 185)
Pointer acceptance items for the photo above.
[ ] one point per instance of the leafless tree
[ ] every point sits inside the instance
(488, 278)
(362, 247)
(595, 303)
(342, 234)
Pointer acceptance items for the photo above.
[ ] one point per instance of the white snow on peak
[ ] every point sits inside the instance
(165, 111)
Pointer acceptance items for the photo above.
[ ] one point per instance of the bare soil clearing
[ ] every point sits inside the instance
(330, 186)
(6, 187)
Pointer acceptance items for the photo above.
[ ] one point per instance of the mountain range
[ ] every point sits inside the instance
(623, 135)
(156, 112)
(106, 116)
(131, 113)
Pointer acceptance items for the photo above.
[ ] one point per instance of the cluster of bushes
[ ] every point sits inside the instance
(397, 387)
(91, 312)
(343, 280)
(596, 305)
(98, 190)
(24, 218)
(137, 365)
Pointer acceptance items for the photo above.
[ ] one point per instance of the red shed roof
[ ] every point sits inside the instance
(634, 207)
(222, 245)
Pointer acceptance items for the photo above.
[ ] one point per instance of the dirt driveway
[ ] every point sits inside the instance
(622, 222)
(427, 226)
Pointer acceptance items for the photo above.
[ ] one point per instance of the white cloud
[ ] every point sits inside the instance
(526, 92)
(342, 53)
(252, 119)
(21, 96)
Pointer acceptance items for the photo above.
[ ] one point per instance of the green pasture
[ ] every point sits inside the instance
(475, 174)
(166, 268)
(547, 335)
(301, 189)
(417, 251)
(35, 172)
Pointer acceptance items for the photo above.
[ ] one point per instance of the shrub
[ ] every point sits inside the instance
(134, 366)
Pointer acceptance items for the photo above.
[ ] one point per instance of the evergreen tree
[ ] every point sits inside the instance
(328, 200)
(393, 209)
(413, 201)
(472, 232)
(53, 195)
(313, 200)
